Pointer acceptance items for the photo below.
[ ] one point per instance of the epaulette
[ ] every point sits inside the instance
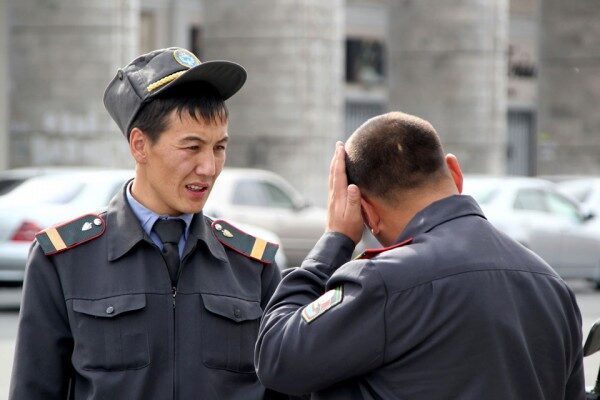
(244, 243)
(70, 234)
(370, 253)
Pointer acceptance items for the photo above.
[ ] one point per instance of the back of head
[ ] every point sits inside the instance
(392, 153)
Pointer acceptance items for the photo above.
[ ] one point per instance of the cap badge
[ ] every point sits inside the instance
(186, 58)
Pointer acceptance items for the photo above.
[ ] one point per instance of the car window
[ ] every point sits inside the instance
(530, 199)
(8, 184)
(250, 193)
(47, 189)
(561, 206)
(277, 197)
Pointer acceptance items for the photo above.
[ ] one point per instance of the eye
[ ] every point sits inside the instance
(193, 148)
(221, 147)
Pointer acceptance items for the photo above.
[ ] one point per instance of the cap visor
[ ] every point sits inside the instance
(226, 76)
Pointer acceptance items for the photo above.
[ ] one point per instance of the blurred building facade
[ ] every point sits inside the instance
(501, 99)
(4, 88)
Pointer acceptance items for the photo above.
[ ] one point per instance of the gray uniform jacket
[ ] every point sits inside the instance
(460, 311)
(101, 321)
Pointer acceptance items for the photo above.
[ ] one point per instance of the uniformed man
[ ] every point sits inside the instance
(150, 299)
(450, 309)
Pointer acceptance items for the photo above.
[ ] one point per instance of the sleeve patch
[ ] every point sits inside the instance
(326, 302)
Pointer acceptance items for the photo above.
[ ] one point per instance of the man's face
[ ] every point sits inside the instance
(182, 166)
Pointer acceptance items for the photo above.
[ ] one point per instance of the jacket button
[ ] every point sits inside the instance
(110, 310)
(237, 313)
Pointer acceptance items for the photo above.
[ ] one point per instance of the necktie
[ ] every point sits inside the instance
(169, 231)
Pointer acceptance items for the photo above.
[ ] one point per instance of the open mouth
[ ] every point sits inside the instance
(197, 188)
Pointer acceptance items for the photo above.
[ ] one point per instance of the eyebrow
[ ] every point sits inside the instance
(201, 139)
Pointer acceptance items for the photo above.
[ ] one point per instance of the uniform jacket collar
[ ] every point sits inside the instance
(439, 212)
(124, 230)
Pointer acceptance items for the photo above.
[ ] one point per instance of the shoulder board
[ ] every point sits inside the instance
(70, 234)
(244, 243)
(370, 253)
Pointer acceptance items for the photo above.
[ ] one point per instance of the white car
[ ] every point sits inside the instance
(265, 199)
(536, 214)
(54, 197)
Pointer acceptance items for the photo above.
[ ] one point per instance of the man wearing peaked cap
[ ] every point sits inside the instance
(450, 309)
(151, 299)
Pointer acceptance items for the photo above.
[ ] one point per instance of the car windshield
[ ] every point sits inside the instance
(57, 189)
(579, 189)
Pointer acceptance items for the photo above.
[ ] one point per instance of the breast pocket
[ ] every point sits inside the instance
(229, 332)
(110, 333)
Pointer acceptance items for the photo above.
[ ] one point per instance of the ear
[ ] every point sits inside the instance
(138, 145)
(370, 215)
(455, 171)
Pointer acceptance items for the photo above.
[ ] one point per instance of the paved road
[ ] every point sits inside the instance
(588, 299)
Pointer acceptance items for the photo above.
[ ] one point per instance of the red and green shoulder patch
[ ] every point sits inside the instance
(370, 253)
(70, 234)
(244, 243)
(326, 302)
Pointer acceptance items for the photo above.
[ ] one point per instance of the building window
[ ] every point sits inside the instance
(520, 63)
(357, 112)
(364, 61)
(195, 38)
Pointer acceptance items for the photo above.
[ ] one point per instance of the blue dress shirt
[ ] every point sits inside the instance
(147, 219)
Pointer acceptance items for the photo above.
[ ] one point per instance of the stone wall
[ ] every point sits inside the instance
(63, 53)
(569, 88)
(289, 114)
(448, 65)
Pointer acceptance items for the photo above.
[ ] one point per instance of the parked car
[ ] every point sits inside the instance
(536, 214)
(48, 199)
(265, 199)
(12, 178)
(44, 200)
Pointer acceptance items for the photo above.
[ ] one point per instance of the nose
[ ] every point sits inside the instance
(205, 165)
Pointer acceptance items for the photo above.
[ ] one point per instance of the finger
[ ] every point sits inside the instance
(353, 202)
(340, 182)
(332, 166)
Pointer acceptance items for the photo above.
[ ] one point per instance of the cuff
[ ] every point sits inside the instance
(333, 249)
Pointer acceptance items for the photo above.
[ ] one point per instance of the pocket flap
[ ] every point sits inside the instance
(111, 306)
(232, 308)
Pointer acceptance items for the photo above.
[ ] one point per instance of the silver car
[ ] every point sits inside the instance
(45, 200)
(265, 199)
(535, 213)
(58, 196)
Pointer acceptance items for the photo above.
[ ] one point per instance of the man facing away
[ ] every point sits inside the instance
(450, 309)
(150, 299)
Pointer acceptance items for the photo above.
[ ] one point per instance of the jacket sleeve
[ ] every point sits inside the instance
(298, 357)
(271, 276)
(575, 387)
(44, 342)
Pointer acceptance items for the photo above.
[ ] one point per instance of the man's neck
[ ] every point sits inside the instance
(398, 216)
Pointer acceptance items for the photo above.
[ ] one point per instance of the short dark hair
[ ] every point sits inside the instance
(200, 100)
(392, 152)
